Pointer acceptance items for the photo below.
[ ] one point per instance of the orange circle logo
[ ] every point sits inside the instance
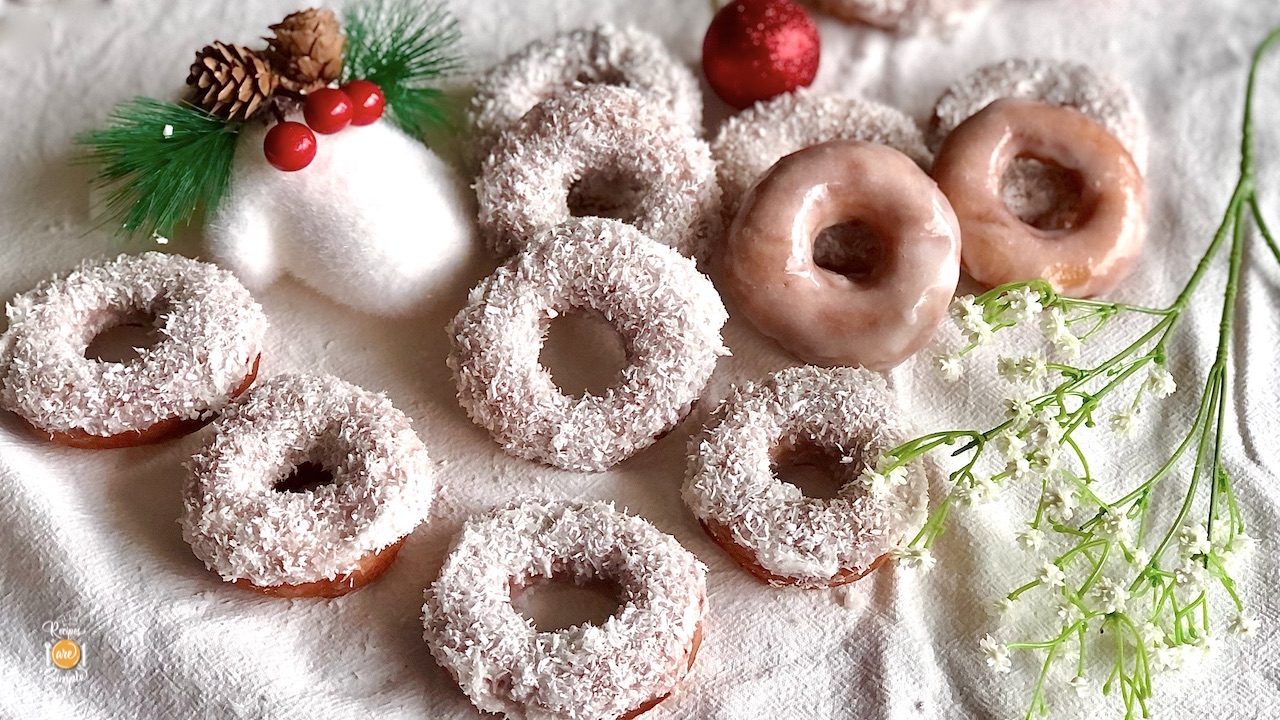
(65, 654)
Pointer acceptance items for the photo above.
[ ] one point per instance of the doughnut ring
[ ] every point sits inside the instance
(900, 15)
(668, 314)
(599, 134)
(749, 143)
(599, 55)
(1087, 259)
(1043, 195)
(211, 334)
(307, 488)
(617, 669)
(842, 417)
(875, 311)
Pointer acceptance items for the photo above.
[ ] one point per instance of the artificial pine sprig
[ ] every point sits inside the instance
(402, 46)
(1126, 581)
(159, 163)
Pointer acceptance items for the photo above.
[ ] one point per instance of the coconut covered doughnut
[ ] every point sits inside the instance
(211, 334)
(901, 15)
(749, 143)
(307, 488)
(599, 55)
(668, 314)
(1046, 196)
(617, 669)
(1087, 258)
(840, 417)
(600, 141)
(899, 263)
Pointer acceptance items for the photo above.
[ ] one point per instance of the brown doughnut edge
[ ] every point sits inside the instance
(749, 562)
(369, 568)
(158, 433)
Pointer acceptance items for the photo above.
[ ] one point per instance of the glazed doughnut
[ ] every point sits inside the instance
(1086, 259)
(668, 314)
(617, 669)
(1044, 196)
(875, 312)
(210, 340)
(599, 55)
(901, 15)
(307, 488)
(749, 143)
(766, 525)
(597, 134)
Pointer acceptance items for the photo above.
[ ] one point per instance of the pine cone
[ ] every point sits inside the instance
(231, 81)
(307, 49)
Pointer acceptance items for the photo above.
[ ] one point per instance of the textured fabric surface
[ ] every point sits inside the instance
(90, 539)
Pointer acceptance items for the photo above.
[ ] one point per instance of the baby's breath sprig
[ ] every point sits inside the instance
(1128, 584)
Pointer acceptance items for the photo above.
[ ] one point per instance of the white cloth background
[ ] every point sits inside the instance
(90, 540)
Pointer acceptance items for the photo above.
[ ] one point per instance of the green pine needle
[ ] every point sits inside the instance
(401, 46)
(160, 163)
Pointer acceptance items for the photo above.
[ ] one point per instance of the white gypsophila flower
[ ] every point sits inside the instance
(949, 367)
(1068, 612)
(1191, 575)
(1125, 423)
(1114, 525)
(1009, 444)
(875, 482)
(1008, 369)
(997, 654)
(1193, 540)
(1019, 468)
(1001, 606)
(1043, 461)
(912, 558)
(1050, 575)
(1202, 650)
(1034, 367)
(1241, 545)
(1140, 556)
(1019, 411)
(1152, 635)
(1244, 625)
(1168, 657)
(1059, 502)
(1081, 685)
(1110, 595)
(1023, 305)
(1044, 430)
(1159, 382)
(978, 491)
(980, 334)
(967, 313)
(1053, 324)
(1031, 538)
(1069, 346)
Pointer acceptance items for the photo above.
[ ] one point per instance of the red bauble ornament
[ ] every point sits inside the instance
(328, 110)
(756, 49)
(290, 146)
(367, 99)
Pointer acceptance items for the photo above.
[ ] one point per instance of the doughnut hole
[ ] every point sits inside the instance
(307, 476)
(850, 249)
(564, 601)
(814, 470)
(601, 76)
(123, 339)
(1044, 194)
(606, 193)
(583, 353)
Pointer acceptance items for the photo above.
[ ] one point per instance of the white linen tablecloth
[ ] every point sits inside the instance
(89, 541)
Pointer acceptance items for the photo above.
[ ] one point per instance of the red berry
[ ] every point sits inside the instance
(756, 49)
(290, 146)
(367, 99)
(327, 110)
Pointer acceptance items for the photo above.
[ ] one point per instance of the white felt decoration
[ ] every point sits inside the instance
(377, 221)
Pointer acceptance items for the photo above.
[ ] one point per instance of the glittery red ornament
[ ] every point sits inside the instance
(289, 146)
(756, 49)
